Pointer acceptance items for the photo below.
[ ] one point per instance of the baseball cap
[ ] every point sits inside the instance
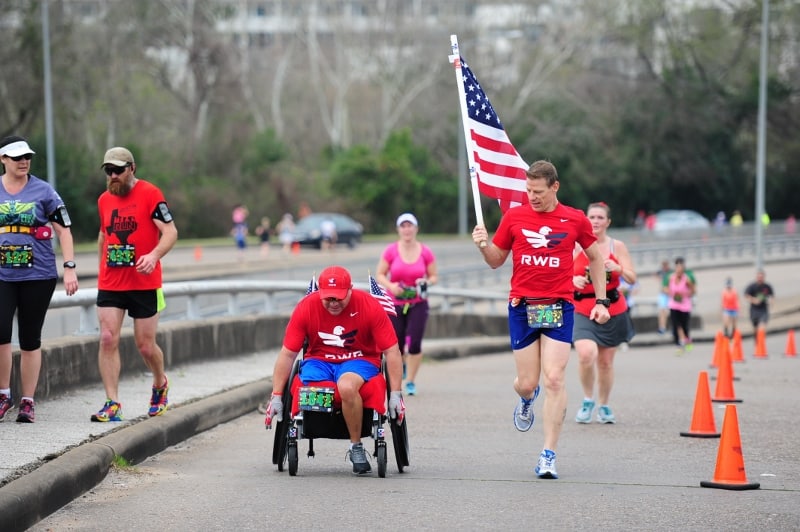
(407, 217)
(334, 281)
(15, 149)
(118, 156)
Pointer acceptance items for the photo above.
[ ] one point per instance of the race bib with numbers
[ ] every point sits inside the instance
(545, 316)
(316, 399)
(12, 256)
(118, 255)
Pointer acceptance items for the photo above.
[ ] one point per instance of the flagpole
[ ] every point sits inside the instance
(455, 58)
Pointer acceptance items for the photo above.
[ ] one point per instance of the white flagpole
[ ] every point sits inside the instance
(455, 58)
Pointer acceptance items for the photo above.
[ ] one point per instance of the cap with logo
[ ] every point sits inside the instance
(407, 217)
(118, 156)
(334, 281)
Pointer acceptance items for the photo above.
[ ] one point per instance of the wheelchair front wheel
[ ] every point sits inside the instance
(293, 458)
(382, 459)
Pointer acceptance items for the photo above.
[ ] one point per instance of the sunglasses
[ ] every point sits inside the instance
(18, 158)
(115, 170)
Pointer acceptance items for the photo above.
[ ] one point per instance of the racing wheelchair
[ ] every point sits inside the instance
(314, 411)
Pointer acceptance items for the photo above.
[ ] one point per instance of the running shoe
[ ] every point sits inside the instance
(25, 414)
(605, 415)
(584, 415)
(359, 458)
(111, 411)
(5, 405)
(523, 412)
(158, 401)
(411, 388)
(546, 468)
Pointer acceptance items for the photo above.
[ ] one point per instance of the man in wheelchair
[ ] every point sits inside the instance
(347, 332)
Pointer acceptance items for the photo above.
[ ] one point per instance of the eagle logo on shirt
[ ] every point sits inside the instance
(339, 338)
(544, 238)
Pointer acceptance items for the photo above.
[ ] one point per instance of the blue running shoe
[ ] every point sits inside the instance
(411, 388)
(523, 412)
(605, 415)
(546, 468)
(584, 415)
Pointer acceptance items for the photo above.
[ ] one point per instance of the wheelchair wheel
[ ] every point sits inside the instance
(279, 446)
(400, 441)
(293, 458)
(280, 443)
(382, 459)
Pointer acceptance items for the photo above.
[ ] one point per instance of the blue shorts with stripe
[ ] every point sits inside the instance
(522, 335)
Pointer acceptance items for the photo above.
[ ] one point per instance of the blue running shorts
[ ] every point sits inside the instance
(315, 370)
(522, 335)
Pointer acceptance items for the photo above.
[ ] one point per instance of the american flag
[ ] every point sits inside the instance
(500, 169)
(312, 286)
(379, 293)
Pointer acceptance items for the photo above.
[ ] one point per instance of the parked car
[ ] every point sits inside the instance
(670, 221)
(307, 231)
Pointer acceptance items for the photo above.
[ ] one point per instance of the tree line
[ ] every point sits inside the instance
(644, 105)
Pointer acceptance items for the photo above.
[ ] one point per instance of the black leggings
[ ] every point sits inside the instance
(30, 300)
(680, 320)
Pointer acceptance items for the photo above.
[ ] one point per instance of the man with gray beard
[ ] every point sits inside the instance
(136, 231)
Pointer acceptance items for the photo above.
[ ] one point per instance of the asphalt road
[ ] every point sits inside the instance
(471, 470)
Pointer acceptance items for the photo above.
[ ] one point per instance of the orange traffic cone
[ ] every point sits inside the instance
(729, 474)
(703, 425)
(198, 253)
(790, 350)
(724, 391)
(720, 342)
(296, 248)
(737, 353)
(761, 344)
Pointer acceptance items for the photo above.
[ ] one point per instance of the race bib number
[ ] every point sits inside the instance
(315, 398)
(16, 256)
(545, 316)
(118, 255)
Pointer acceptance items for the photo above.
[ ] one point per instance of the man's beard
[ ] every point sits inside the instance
(119, 188)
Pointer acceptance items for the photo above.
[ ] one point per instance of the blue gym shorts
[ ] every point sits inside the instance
(315, 370)
(522, 335)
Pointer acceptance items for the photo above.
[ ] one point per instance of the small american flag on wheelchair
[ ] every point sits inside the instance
(379, 293)
(312, 286)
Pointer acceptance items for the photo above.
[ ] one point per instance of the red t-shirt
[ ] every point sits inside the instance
(585, 305)
(542, 244)
(127, 223)
(362, 330)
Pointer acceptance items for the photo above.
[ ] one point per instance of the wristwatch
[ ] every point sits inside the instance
(69, 264)
(605, 302)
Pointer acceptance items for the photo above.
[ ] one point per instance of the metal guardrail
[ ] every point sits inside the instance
(272, 297)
